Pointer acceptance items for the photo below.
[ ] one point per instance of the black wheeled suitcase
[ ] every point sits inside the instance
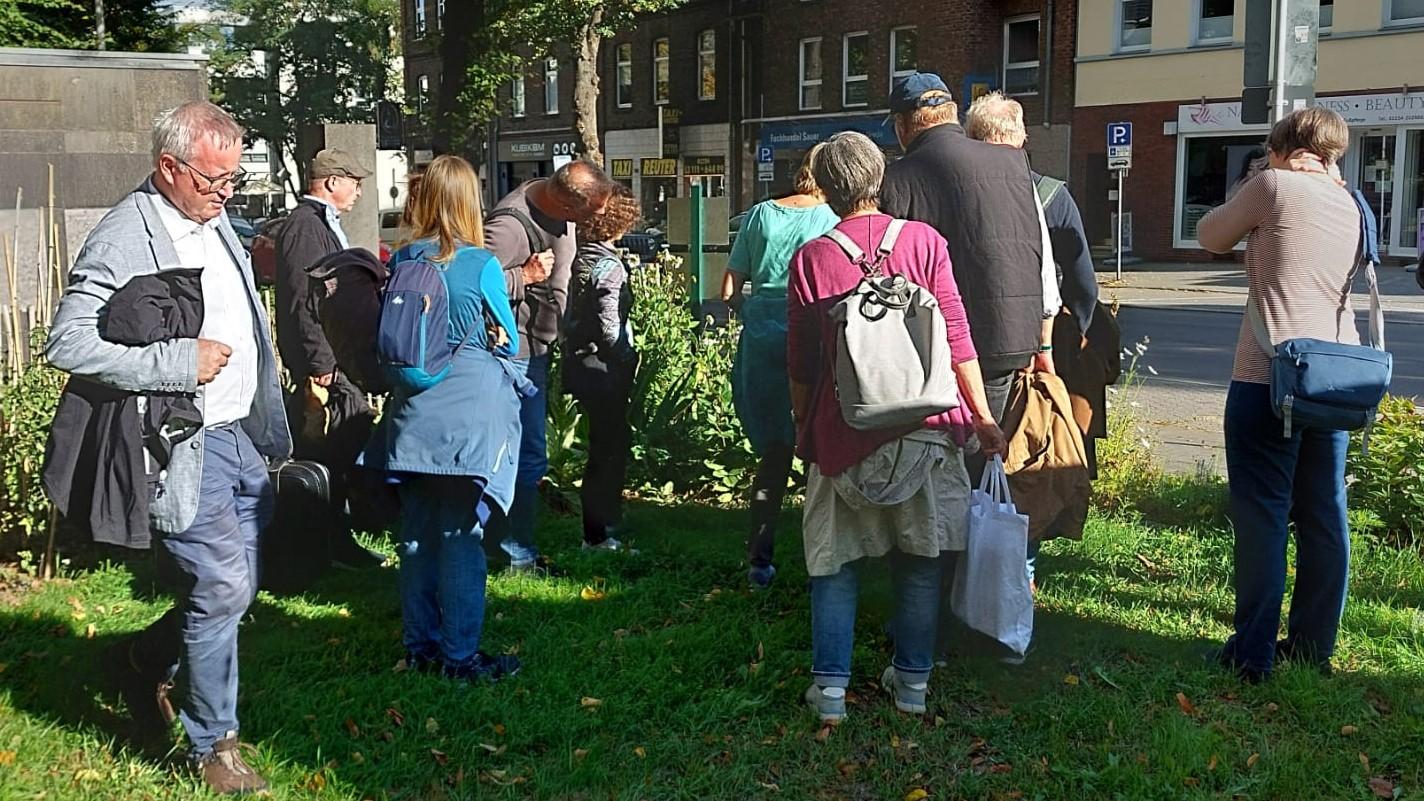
(296, 545)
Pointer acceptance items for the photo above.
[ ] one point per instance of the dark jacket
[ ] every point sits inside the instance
(539, 308)
(980, 197)
(1077, 280)
(304, 240)
(344, 297)
(600, 301)
(106, 446)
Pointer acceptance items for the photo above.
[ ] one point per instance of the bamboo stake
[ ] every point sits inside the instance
(49, 564)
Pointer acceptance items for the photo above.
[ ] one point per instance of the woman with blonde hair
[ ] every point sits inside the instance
(769, 236)
(451, 446)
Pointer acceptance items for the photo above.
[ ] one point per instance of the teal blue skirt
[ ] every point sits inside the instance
(761, 389)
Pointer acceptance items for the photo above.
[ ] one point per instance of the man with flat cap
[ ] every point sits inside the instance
(311, 232)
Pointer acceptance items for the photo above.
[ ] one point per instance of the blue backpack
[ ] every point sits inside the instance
(413, 335)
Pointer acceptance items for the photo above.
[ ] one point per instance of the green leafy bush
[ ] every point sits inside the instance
(1386, 482)
(26, 410)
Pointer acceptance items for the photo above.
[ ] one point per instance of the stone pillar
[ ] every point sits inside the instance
(361, 224)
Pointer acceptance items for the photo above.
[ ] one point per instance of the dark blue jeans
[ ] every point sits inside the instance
(442, 567)
(213, 567)
(514, 532)
(914, 626)
(1275, 481)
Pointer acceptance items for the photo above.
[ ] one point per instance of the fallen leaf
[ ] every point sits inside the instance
(499, 729)
(939, 721)
(824, 734)
(440, 757)
(1002, 768)
(641, 752)
(1273, 707)
(772, 786)
(1348, 731)
(396, 717)
(1071, 680)
(1191, 781)
(352, 728)
(343, 612)
(90, 631)
(1211, 765)
(1252, 760)
(497, 750)
(431, 727)
(917, 794)
(847, 768)
(1365, 762)
(591, 594)
(1186, 705)
(316, 781)
(4, 666)
(590, 703)
(1382, 788)
(358, 758)
(88, 775)
(894, 741)
(7, 758)
(580, 753)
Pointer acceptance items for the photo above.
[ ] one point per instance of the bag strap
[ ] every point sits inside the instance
(531, 231)
(882, 251)
(1048, 188)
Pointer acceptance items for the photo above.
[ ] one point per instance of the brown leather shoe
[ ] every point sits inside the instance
(225, 773)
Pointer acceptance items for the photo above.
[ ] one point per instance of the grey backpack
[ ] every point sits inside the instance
(892, 353)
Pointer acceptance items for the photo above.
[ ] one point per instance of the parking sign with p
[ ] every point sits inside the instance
(1119, 145)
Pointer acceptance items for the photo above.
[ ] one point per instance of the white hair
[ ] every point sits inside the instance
(177, 130)
(995, 119)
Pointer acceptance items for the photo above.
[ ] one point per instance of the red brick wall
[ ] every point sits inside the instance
(1150, 189)
(681, 28)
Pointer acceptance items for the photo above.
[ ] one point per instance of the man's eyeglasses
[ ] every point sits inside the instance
(215, 185)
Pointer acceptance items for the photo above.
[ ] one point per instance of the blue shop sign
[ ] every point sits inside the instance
(802, 134)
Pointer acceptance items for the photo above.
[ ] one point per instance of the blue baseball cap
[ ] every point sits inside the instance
(908, 92)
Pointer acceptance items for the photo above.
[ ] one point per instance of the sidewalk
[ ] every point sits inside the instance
(1224, 283)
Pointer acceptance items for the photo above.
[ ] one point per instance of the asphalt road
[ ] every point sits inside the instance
(1186, 367)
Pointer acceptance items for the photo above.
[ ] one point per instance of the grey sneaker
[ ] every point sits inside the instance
(908, 697)
(610, 544)
(829, 702)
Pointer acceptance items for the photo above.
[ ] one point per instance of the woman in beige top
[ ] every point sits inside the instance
(1302, 232)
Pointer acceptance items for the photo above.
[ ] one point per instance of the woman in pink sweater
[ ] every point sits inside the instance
(852, 473)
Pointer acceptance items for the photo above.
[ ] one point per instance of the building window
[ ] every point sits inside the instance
(661, 73)
(855, 69)
(810, 73)
(551, 86)
(1021, 55)
(1327, 15)
(1134, 29)
(1401, 12)
(439, 15)
(707, 65)
(624, 87)
(516, 97)
(1213, 168)
(422, 93)
(419, 19)
(903, 60)
(1215, 19)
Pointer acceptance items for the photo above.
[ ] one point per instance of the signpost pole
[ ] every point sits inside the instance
(694, 251)
(1119, 224)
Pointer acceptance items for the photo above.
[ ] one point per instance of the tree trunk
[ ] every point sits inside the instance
(99, 33)
(449, 127)
(586, 87)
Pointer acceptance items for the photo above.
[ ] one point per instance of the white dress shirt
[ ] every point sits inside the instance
(227, 314)
(333, 220)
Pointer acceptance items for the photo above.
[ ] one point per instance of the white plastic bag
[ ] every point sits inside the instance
(991, 590)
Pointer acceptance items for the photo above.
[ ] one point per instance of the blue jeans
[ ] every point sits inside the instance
(1274, 481)
(914, 627)
(442, 567)
(1034, 546)
(213, 567)
(515, 532)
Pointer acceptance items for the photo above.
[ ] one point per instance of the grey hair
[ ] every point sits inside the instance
(849, 170)
(177, 130)
(995, 119)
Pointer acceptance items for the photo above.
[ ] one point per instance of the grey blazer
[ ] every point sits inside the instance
(130, 241)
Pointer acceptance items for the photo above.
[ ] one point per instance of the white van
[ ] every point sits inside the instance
(391, 226)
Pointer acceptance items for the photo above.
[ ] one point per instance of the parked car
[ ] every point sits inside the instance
(245, 230)
(391, 226)
(264, 252)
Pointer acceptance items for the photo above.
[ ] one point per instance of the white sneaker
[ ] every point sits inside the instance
(909, 697)
(611, 544)
(829, 702)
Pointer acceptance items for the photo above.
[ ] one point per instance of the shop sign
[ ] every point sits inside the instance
(669, 119)
(704, 165)
(620, 168)
(535, 150)
(1358, 111)
(659, 168)
(802, 134)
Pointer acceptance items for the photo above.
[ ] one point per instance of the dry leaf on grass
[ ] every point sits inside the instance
(395, 715)
(1348, 731)
(1382, 788)
(352, 728)
(825, 733)
(497, 750)
(1211, 765)
(1186, 706)
(1365, 762)
(431, 727)
(591, 594)
(7, 758)
(590, 703)
(917, 794)
(772, 786)
(641, 752)
(1252, 760)
(580, 753)
(1071, 680)
(440, 757)
(90, 631)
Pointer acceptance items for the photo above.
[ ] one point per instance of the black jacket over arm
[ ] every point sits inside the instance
(303, 241)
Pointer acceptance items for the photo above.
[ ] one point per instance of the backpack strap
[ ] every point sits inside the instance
(531, 231)
(882, 252)
(1048, 188)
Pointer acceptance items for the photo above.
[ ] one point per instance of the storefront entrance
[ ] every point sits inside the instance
(1387, 166)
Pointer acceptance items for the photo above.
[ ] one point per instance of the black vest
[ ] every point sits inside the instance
(980, 197)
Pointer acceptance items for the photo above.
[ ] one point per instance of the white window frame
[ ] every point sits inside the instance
(801, 81)
(551, 80)
(516, 98)
(1018, 65)
(419, 19)
(702, 55)
(1118, 31)
(1325, 29)
(1197, 39)
(1391, 22)
(439, 15)
(422, 93)
(667, 61)
(896, 75)
(846, 77)
(624, 100)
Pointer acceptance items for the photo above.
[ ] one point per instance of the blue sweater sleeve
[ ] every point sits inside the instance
(496, 299)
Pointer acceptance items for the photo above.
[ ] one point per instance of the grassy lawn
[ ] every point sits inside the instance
(669, 680)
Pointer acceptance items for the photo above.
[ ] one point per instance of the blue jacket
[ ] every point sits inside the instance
(468, 424)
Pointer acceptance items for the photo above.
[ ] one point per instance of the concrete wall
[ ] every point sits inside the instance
(89, 115)
(362, 223)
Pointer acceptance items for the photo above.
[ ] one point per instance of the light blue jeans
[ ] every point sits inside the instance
(914, 627)
(442, 567)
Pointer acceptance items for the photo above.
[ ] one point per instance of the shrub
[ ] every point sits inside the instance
(26, 409)
(1386, 484)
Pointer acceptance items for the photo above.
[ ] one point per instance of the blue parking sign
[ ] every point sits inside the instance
(1119, 134)
(764, 155)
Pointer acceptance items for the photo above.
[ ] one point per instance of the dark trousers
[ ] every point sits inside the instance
(609, 438)
(998, 381)
(1274, 481)
(213, 569)
(768, 490)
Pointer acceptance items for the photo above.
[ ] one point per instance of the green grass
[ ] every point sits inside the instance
(698, 686)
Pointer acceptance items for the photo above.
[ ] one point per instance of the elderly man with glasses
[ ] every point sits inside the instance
(209, 503)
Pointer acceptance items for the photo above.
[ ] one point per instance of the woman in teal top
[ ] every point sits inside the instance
(770, 235)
